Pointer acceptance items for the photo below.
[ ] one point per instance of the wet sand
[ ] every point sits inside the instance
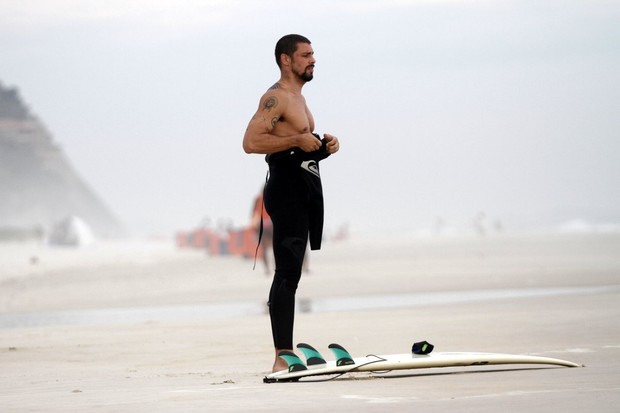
(147, 327)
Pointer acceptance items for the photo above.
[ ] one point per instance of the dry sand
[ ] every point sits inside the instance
(144, 327)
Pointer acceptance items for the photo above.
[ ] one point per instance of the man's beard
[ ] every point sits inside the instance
(306, 76)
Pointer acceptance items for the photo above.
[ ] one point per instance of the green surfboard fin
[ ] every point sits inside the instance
(293, 361)
(313, 357)
(343, 358)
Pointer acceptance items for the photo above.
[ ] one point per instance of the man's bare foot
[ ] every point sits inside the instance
(279, 364)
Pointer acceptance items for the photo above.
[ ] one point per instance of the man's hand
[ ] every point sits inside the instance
(332, 143)
(309, 143)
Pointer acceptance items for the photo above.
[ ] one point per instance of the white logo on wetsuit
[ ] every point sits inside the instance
(312, 167)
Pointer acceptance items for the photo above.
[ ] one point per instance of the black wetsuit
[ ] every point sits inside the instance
(294, 201)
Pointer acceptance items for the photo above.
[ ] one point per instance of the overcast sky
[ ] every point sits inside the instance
(444, 108)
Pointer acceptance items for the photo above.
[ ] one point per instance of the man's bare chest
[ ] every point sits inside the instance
(298, 116)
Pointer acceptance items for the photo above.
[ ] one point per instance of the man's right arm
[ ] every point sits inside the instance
(259, 136)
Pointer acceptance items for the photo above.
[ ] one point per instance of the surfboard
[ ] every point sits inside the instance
(316, 365)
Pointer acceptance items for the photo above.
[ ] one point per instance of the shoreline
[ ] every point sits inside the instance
(556, 296)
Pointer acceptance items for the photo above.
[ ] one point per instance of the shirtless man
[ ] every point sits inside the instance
(282, 128)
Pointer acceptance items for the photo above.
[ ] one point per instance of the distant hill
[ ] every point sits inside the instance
(38, 185)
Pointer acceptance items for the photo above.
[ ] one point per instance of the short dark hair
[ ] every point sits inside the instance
(288, 46)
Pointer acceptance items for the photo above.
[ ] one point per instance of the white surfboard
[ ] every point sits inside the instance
(391, 362)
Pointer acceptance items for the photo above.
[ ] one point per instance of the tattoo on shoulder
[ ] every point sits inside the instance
(275, 86)
(270, 103)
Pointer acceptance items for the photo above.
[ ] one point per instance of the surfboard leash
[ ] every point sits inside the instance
(260, 231)
(353, 368)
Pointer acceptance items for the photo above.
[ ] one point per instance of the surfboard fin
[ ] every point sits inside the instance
(343, 358)
(313, 357)
(293, 361)
(422, 347)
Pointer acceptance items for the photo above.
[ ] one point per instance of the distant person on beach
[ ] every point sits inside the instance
(282, 128)
(262, 225)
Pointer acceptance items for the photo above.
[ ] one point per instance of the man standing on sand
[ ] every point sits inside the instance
(282, 128)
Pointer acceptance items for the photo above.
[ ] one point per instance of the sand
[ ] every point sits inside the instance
(143, 326)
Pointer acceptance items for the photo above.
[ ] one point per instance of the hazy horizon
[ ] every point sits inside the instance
(446, 110)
